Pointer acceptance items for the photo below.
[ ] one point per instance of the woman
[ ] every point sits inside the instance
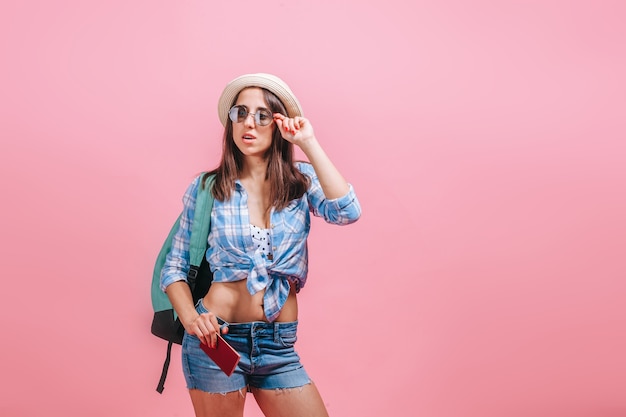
(257, 252)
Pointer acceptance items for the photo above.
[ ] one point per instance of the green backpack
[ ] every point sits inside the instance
(165, 323)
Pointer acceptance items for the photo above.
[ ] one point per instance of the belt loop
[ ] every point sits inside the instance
(223, 324)
(276, 333)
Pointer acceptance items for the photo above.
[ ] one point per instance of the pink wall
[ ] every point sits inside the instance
(487, 145)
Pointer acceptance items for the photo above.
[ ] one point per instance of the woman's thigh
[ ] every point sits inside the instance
(218, 405)
(304, 401)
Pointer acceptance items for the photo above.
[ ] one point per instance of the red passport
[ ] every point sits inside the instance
(223, 355)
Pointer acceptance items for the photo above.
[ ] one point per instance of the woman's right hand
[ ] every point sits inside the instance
(205, 327)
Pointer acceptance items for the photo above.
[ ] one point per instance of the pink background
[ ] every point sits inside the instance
(486, 141)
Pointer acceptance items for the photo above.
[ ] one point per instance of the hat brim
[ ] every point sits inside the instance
(268, 81)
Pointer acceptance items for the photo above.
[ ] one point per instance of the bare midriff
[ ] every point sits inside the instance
(233, 303)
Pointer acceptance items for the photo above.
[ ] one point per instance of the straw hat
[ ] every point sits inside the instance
(269, 82)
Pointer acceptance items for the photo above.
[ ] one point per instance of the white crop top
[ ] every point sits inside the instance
(261, 238)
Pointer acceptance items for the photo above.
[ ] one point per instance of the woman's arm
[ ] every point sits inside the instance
(300, 132)
(329, 195)
(174, 276)
(180, 296)
(204, 326)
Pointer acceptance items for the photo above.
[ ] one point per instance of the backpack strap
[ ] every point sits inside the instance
(197, 250)
(200, 228)
(166, 366)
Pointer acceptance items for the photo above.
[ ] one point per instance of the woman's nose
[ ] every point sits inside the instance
(249, 120)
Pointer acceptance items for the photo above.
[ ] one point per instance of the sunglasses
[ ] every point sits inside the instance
(238, 114)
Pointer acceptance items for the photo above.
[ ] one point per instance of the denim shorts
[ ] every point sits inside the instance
(268, 358)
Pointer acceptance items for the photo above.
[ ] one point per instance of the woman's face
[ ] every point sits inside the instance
(251, 138)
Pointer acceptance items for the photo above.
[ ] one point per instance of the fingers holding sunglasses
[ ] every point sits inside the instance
(288, 125)
(281, 122)
(295, 124)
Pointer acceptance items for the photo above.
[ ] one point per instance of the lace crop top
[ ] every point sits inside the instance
(262, 239)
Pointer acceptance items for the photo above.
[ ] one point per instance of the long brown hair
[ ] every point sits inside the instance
(286, 181)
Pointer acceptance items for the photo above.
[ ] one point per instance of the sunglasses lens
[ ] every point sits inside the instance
(236, 114)
(263, 117)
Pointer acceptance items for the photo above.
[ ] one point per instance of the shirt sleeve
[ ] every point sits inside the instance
(343, 210)
(177, 261)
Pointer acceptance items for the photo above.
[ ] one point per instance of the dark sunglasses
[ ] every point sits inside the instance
(238, 114)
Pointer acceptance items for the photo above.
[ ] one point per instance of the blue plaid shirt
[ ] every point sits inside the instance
(232, 254)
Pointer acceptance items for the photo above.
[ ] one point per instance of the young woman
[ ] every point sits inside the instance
(257, 252)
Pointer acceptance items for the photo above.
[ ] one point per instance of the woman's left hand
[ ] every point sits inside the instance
(297, 130)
